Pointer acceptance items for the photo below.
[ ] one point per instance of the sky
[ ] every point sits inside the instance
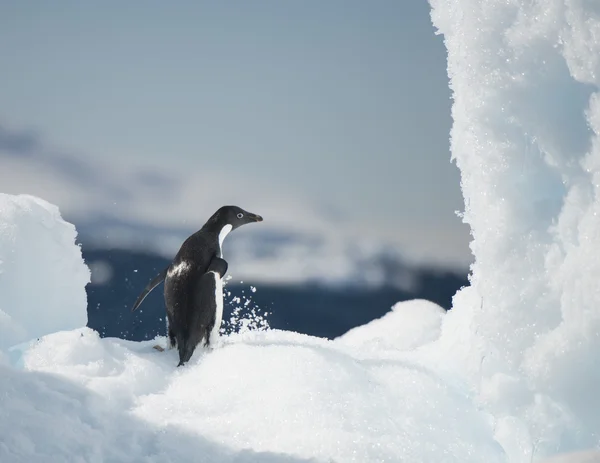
(342, 106)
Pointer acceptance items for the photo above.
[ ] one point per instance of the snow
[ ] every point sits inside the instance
(259, 395)
(407, 326)
(526, 333)
(42, 274)
(511, 373)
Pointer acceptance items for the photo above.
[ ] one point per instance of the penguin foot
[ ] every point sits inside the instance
(159, 348)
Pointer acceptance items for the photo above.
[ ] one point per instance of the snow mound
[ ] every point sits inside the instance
(409, 325)
(42, 273)
(260, 396)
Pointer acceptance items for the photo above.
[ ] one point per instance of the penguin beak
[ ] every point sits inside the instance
(256, 218)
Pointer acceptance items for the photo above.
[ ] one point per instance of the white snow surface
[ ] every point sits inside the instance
(260, 396)
(42, 273)
(510, 374)
(525, 77)
(408, 325)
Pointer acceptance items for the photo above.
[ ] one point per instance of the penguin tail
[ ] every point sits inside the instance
(186, 346)
(182, 348)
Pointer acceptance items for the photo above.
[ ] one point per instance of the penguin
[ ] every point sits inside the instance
(194, 268)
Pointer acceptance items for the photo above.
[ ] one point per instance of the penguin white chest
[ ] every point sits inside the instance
(222, 234)
(214, 334)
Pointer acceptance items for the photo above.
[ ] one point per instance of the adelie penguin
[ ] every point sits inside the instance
(193, 283)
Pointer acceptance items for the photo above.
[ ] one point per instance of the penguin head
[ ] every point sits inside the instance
(234, 216)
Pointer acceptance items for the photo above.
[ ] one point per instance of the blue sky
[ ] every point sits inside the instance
(344, 103)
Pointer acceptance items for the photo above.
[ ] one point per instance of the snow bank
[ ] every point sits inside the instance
(409, 325)
(526, 79)
(42, 274)
(261, 396)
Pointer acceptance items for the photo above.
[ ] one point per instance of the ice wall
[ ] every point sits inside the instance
(42, 273)
(525, 78)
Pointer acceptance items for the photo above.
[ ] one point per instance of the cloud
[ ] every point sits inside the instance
(17, 143)
(89, 189)
(143, 205)
(155, 180)
(79, 185)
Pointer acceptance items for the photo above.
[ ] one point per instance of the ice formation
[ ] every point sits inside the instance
(525, 78)
(42, 273)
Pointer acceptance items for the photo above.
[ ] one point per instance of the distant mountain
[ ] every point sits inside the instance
(321, 308)
(277, 254)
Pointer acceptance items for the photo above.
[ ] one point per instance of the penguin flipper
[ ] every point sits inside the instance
(158, 279)
(218, 265)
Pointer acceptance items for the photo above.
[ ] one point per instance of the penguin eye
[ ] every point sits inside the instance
(240, 215)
